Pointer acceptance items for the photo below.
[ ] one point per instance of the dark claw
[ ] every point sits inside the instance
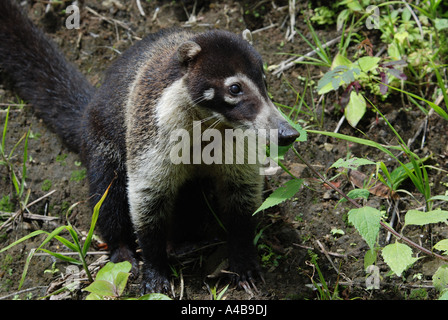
(246, 280)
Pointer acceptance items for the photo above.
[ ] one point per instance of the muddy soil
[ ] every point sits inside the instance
(291, 232)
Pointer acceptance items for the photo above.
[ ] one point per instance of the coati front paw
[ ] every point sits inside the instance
(244, 272)
(154, 281)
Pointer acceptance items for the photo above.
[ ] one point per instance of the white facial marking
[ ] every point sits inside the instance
(209, 94)
(245, 82)
(268, 114)
(231, 99)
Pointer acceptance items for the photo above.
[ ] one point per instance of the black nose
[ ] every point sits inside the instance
(286, 134)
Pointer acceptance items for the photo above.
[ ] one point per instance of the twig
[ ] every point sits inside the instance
(341, 121)
(292, 20)
(331, 261)
(31, 216)
(289, 63)
(18, 212)
(415, 18)
(392, 219)
(22, 291)
(264, 28)
(109, 20)
(384, 225)
(139, 6)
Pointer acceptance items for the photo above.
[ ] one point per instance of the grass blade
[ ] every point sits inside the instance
(28, 236)
(25, 159)
(95, 214)
(5, 129)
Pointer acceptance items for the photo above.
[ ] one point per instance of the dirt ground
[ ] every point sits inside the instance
(292, 231)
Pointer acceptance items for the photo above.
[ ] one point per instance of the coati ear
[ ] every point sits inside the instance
(188, 51)
(247, 35)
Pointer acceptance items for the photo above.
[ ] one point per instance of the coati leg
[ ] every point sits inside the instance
(240, 196)
(114, 222)
(152, 196)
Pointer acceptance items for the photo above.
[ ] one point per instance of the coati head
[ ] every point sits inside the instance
(225, 77)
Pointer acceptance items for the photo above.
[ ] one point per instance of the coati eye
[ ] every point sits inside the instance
(235, 89)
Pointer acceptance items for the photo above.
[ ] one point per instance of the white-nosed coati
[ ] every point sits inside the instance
(167, 81)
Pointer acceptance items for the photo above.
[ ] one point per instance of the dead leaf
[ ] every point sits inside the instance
(378, 188)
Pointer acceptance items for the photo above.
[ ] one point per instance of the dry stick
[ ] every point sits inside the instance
(289, 63)
(23, 291)
(30, 216)
(331, 261)
(264, 28)
(384, 225)
(139, 6)
(292, 17)
(109, 20)
(18, 212)
(419, 25)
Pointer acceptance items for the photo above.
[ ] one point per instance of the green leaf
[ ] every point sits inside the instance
(324, 87)
(355, 109)
(368, 63)
(111, 280)
(440, 278)
(102, 288)
(336, 77)
(393, 51)
(420, 218)
(358, 193)
(352, 163)
(441, 24)
(354, 5)
(444, 295)
(370, 257)
(343, 15)
(340, 60)
(61, 256)
(401, 36)
(5, 129)
(94, 296)
(442, 246)
(120, 282)
(67, 243)
(367, 221)
(439, 197)
(281, 194)
(154, 296)
(110, 270)
(398, 257)
(399, 174)
(370, 143)
(28, 236)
